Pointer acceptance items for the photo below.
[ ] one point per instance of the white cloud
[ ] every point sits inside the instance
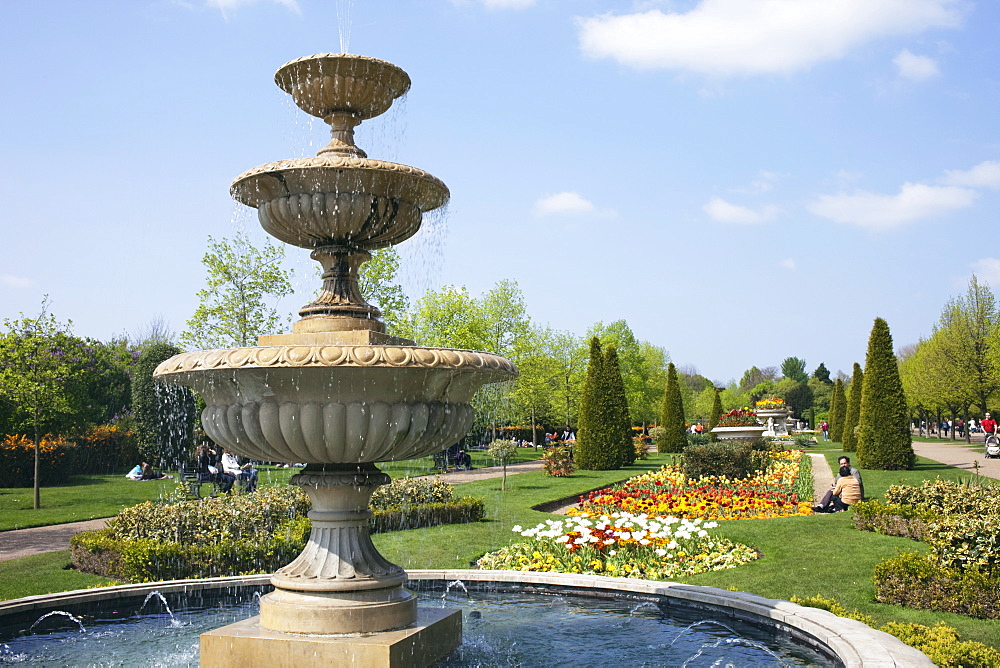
(984, 175)
(787, 263)
(913, 202)
(564, 202)
(15, 281)
(225, 6)
(722, 211)
(914, 67)
(736, 37)
(764, 183)
(507, 4)
(988, 269)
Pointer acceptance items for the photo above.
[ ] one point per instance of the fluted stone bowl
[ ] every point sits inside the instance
(325, 83)
(313, 202)
(332, 404)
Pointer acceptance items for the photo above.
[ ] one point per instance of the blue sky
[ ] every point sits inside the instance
(741, 181)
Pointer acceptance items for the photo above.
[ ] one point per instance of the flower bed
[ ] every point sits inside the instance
(620, 545)
(738, 417)
(669, 492)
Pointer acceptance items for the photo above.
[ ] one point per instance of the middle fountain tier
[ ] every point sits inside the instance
(338, 394)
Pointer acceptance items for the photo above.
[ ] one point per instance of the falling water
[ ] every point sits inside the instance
(344, 8)
(158, 595)
(457, 584)
(645, 605)
(730, 642)
(58, 613)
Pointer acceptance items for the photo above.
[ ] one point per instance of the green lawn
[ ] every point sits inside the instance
(800, 556)
(89, 497)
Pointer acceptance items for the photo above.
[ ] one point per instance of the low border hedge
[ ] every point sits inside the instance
(918, 581)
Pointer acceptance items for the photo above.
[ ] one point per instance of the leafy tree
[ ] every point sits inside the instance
(713, 420)
(38, 365)
(619, 405)
(642, 365)
(597, 447)
(570, 363)
(503, 451)
(838, 411)
(822, 395)
(794, 368)
(883, 429)
(378, 282)
(674, 437)
(797, 395)
(164, 414)
(753, 377)
(241, 278)
(849, 441)
(822, 374)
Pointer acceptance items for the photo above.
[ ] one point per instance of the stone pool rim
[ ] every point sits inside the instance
(852, 643)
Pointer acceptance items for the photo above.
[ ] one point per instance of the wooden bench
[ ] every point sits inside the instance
(193, 479)
(442, 460)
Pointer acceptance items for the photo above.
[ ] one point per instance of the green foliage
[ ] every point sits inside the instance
(883, 422)
(713, 419)
(734, 461)
(947, 497)
(17, 461)
(795, 369)
(598, 444)
(163, 414)
(849, 438)
(838, 411)
(966, 543)
(558, 462)
(919, 581)
(798, 395)
(232, 310)
(403, 492)
(618, 409)
(643, 368)
(822, 374)
(378, 283)
(672, 416)
(892, 519)
(503, 451)
(940, 643)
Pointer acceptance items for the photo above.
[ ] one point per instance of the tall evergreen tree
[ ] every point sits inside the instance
(597, 448)
(849, 442)
(619, 405)
(883, 429)
(838, 411)
(713, 419)
(164, 414)
(672, 418)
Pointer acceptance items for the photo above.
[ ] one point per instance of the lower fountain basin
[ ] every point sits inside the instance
(615, 621)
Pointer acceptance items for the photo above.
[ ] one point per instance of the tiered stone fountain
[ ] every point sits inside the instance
(338, 393)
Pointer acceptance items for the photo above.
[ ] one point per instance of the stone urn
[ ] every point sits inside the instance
(775, 420)
(338, 393)
(741, 433)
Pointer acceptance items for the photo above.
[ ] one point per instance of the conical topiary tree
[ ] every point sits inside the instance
(597, 448)
(883, 429)
(674, 438)
(713, 419)
(619, 408)
(838, 411)
(849, 442)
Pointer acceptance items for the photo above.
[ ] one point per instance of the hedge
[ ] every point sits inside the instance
(892, 519)
(919, 581)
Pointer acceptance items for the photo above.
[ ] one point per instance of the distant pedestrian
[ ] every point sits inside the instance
(989, 426)
(826, 430)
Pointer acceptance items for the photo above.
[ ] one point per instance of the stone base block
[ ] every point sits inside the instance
(436, 634)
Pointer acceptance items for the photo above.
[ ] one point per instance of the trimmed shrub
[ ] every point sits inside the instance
(17, 461)
(883, 419)
(849, 439)
(918, 581)
(558, 462)
(641, 448)
(697, 439)
(462, 510)
(713, 418)
(838, 410)
(105, 449)
(618, 409)
(946, 497)
(672, 416)
(966, 543)
(940, 643)
(412, 491)
(597, 443)
(892, 519)
(734, 461)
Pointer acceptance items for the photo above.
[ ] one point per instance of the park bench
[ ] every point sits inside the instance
(193, 479)
(443, 460)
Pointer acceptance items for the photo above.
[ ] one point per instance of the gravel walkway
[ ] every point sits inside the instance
(26, 542)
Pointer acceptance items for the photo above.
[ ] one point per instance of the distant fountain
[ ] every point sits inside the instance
(338, 393)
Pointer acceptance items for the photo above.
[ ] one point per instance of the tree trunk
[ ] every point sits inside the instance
(534, 431)
(38, 450)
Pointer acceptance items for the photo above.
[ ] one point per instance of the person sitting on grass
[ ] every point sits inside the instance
(245, 473)
(149, 474)
(856, 474)
(845, 493)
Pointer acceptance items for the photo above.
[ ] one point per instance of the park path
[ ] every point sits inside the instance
(38, 540)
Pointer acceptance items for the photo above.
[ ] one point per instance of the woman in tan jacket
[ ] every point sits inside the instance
(846, 491)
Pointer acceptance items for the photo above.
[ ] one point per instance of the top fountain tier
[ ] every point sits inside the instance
(327, 83)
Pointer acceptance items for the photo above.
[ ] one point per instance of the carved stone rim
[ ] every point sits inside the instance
(400, 85)
(434, 193)
(299, 356)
